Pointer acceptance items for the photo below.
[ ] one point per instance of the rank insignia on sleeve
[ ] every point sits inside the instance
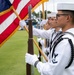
(54, 58)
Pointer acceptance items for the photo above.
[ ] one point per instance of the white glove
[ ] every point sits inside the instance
(39, 39)
(43, 22)
(31, 59)
(45, 50)
(22, 23)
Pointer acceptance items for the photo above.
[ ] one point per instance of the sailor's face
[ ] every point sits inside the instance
(52, 22)
(61, 19)
(47, 26)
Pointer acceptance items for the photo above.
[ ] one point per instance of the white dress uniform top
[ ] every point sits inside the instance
(47, 34)
(57, 64)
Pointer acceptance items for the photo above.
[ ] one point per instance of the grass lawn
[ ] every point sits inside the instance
(12, 60)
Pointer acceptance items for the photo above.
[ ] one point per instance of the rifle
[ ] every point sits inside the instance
(39, 56)
(30, 43)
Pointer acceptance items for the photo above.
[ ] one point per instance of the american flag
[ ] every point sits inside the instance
(9, 22)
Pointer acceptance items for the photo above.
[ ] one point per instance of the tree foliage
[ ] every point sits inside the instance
(40, 15)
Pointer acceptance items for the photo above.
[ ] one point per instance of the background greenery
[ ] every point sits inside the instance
(12, 55)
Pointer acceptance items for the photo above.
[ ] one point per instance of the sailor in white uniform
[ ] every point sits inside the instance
(49, 33)
(45, 43)
(61, 58)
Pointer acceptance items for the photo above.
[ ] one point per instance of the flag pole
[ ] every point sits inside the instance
(40, 50)
(43, 13)
(28, 32)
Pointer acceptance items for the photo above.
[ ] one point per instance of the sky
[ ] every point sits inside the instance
(51, 5)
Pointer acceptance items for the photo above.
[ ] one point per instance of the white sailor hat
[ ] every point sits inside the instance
(52, 14)
(65, 6)
(43, 22)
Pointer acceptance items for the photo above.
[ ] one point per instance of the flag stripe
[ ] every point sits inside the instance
(9, 30)
(33, 2)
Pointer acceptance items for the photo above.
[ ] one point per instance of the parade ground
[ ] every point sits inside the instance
(12, 55)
